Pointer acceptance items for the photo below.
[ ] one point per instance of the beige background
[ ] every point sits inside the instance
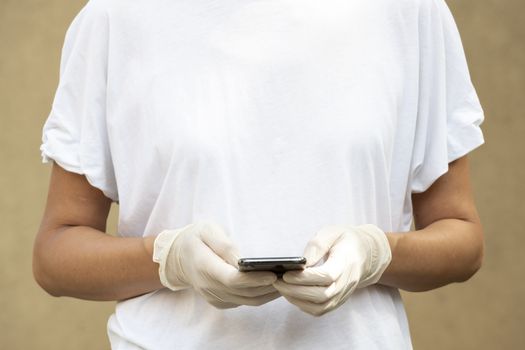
(487, 312)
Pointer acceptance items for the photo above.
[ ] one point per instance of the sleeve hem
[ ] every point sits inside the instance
(48, 157)
(424, 182)
(464, 140)
(460, 142)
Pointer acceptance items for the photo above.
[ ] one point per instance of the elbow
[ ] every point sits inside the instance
(43, 277)
(43, 280)
(476, 257)
(472, 269)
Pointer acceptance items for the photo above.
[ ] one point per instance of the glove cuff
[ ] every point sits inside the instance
(380, 253)
(161, 250)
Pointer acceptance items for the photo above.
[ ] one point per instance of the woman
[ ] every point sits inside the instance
(260, 128)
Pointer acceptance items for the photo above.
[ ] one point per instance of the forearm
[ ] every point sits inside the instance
(85, 263)
(446, 251)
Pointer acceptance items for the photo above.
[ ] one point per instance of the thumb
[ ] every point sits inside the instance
(320, 244)
(214, 236)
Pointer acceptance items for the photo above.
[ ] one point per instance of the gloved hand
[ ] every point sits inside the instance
(357, 256)
(201, 256)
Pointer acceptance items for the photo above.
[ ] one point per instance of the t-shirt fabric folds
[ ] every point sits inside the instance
(273, 119)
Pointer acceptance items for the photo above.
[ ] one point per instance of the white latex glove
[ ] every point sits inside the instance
(357, 256)
(201, 256)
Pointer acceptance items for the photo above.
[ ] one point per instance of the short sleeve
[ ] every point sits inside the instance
(75, 133)
(449, 111)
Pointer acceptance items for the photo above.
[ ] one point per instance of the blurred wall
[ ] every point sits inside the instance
(485, 313)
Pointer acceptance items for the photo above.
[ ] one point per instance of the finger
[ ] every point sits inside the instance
(252, 292)
(214, 236)
(312, 276)
(224, 297)
(321, 243)
(263, 299)
(351, 287)
(238, 279)
(218, 270)
(323, 275)
(314, 294)
(313, 308)
(216, 301)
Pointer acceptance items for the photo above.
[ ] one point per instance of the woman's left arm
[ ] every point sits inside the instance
(447, 245)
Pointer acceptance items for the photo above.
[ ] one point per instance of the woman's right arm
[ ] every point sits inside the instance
(73, 256)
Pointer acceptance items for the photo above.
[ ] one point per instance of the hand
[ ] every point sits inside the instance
(201, 256)
(357, 256)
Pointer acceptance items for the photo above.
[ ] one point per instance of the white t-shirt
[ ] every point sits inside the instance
(273, 119)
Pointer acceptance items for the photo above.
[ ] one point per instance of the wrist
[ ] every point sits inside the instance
(165, 254)
(393, 240)
(379, 253)
(148, 243)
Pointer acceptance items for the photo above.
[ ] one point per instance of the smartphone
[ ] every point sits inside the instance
(279, 265)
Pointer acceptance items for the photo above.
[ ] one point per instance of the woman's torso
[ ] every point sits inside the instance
(273, 119)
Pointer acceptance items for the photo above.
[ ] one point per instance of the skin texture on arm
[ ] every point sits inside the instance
(447, 245)
(73, 256)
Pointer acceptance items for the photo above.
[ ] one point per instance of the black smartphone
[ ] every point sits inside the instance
(279, 265)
